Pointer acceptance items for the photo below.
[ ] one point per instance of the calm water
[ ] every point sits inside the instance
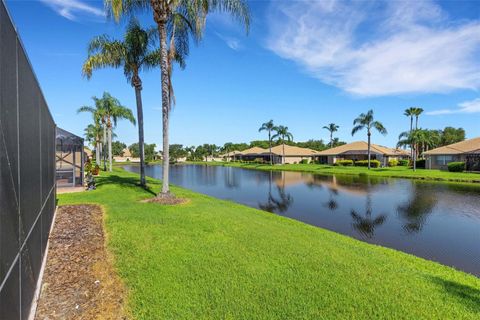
(436, 221)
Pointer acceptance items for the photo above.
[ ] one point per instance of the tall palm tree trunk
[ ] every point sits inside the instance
(331, 139)
(98, 152)
(110, 147)
(104, 147)
(141, 143)
(270, 145)
(165, 102)
(411, 129)
(414, 158)
(368, 134)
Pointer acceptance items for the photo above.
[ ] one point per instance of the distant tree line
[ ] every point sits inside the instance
(201, 152)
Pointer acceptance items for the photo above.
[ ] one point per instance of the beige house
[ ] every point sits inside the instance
(251, 154)
(230, 156)
(292, 154)
(467, 151)
(358, 150)
(280, 154)
(127, 156)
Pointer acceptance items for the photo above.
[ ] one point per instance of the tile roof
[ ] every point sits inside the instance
(466, 146)
(361, 147)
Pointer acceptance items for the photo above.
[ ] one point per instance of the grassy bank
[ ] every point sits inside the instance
(214, 259)
(396, 172)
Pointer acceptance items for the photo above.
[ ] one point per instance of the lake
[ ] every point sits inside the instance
(436, 221)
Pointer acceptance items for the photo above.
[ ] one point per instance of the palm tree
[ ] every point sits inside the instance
(412, 138)
(211, 150)
(109, 110)
(282, 134)
(269, 127)
(191, 15)
(410, 112)
(92, 135)
(417, 112)
(95, 129)
(332, 127)
(114, 111)
(136, 52)
(367, 121)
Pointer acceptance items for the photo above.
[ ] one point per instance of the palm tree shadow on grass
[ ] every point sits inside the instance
(123, 182)
(465, 294)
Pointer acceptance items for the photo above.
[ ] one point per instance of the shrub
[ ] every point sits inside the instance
(304, 161)
(392, 163)
(344, 163)
(456, 166)
(403, 162)
(364, 163)
(421, 163)
(88, 167)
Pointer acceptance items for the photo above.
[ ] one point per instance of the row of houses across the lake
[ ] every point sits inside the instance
(467, 151)
(285, 154)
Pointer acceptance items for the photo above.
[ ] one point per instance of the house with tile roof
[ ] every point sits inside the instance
(358, 150)
(467, 151)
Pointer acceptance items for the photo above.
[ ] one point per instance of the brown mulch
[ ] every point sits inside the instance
(79, 280)
(166, 199)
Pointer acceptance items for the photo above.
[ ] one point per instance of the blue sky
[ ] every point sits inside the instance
(304, 64)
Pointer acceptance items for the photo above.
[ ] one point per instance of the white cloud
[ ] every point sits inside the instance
(70, 9)
(373, 48)
(472, 106)
(231, 42)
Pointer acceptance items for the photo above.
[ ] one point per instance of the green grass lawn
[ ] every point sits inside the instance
(398, 172)
(214, 259)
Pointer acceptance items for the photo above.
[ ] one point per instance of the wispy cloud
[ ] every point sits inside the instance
(377, 48)
(72, 9)
(472, 106)
(231, 42)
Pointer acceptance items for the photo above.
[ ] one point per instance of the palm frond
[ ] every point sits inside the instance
(380, 128)
(357, 128)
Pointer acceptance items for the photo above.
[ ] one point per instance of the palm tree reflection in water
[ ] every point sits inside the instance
(367, 224)
(278, 204)
(332, 204)
(416, 210)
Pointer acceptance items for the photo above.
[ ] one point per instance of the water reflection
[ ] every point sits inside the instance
(332, 204)
(436, 221)
(281, 201)
(278, 203)
(366, 224)
(232, 178)
(417, 208)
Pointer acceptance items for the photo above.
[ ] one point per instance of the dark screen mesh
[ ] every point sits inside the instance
(27, 175)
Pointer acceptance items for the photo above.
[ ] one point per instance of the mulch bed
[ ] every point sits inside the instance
(79, 280)
(166, 199)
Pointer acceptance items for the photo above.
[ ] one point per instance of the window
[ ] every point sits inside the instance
(443, 160)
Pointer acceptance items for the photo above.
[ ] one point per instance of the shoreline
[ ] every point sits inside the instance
(396, 172)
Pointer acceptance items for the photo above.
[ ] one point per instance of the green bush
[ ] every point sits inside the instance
(392, 163)
(421, 163)
(344, 163)
(364, 163)
(88, 167)
(304, 161)
(456, 166)
(403, 162)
